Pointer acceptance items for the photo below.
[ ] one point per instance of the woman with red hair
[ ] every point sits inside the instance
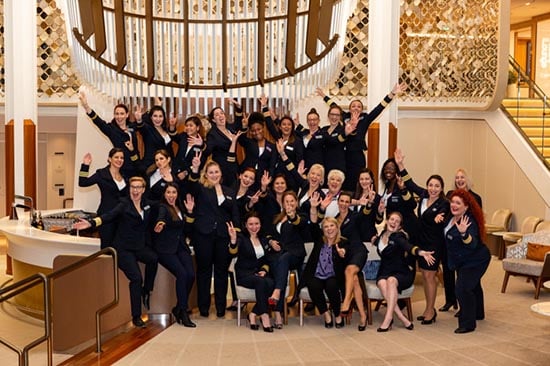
(467, 255)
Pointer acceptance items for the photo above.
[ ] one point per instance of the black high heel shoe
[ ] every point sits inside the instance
(252, 326)
(341, 323)
(429, 321)
(381, 330)
(146, 297)
(410, 326)
(448, 305)
(362, 327)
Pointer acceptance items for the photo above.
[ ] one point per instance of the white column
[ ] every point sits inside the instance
(383, 63)
(20, 71)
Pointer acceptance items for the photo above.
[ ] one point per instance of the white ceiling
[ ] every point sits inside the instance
(520, 11)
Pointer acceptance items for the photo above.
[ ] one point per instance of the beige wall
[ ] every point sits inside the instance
(443, 145)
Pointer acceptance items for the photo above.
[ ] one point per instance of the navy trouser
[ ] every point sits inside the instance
(128, 263)
(470, 294)
(180, 264)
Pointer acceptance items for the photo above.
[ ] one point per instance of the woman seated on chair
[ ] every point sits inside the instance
(324, 271)
(396, 272)
(251, 269)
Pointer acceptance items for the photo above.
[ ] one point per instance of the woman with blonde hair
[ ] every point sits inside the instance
(214, 206)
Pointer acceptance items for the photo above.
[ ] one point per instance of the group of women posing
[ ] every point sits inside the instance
(266, 208)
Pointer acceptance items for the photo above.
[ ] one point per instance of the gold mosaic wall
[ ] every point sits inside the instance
(56, 77)
(449, 49)
(353, 79)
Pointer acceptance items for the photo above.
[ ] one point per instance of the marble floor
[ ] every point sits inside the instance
(510, 335)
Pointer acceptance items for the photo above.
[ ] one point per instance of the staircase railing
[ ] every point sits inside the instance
(29, 282)
(529, 110)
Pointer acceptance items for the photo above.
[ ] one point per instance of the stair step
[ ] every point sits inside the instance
(529, 112)
(532, 121)
(536, 132)
(539, 141)
(522, 102)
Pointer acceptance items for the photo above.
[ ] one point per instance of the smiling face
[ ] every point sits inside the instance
(389, 171)
(334, 116)
(434, 188)
(137, 187)
(117, 160)
(253, 225)
(162, 161)
(344, 201)
(393, 223)
(365, 181)
(219, 118)
(286, 127)
(120, 115)
(330, 230)
(158, 118)
(257, 131)
(213, 174)
(171, 195)
(356, 106)
(458, 207)
(461, 182)
(191, 128)
(334, 183)
(289, 203)
(315, 177)
(313, 121)
(247, 178)
(279, 185)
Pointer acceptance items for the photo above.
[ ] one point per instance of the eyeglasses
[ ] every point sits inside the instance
(136, 188)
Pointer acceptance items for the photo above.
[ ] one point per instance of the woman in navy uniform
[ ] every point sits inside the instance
(462, 181)
(112, 185)
(313, 139)
(159, 175)
(214, 206)
(189, 142)
(432, 212)
(367, 201)
(173, 226)
(395, 273)
(218, 139)
(355, 141)
(468, 255)
(355, 259)
(283, 131)
(252, 267)
(121, 132)
(156, 132)
(133, 244)
(260, 154)
(287, 241)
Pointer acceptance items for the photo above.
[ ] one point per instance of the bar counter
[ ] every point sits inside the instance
(77, 295)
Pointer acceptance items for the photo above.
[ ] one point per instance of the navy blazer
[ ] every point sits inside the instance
(172, 237)
(118, 138)
(110, 193)
(132, 231)
(368, 219)
(264, 162)
(465, 251)
(183, 158)
(349, 228)
(209, 215)
(335, 149)
(314, 150)
(290, 235)
(396, 257)
(152, 141)
(430, 234)
(247, 263)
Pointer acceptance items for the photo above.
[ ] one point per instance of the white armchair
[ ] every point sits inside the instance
(516, 262)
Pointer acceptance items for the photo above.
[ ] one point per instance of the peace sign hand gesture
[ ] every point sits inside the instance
(196, 162)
